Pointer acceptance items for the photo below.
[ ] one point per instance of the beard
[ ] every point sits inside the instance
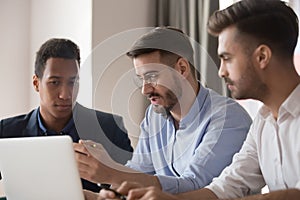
(163, 110)
(170, 101)
(171, 98)
(248, 86)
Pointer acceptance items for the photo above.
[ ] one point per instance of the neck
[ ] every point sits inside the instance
(184, 104)
(278, 91)
(54, 124)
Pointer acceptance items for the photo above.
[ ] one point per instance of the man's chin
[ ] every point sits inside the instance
(240, 97)
(63, 114)
(159, 109)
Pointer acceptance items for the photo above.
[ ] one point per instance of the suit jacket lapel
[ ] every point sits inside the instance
(32, 128)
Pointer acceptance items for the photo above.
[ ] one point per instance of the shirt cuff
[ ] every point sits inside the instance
(169, 184)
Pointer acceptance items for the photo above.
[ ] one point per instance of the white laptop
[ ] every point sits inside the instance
(39, 168)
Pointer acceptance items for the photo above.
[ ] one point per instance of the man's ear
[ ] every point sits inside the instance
(35, 82)
(183, 67)
(263, 55)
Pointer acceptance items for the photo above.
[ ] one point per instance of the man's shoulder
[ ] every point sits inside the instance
(211, 100)
(106, 114)
(17, 120)
(101, 115)
(222, 104)
(218, 100)
(13, 126)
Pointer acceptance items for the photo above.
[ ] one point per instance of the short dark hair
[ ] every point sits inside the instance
(171, 43)
(269, 22)
(55, 48)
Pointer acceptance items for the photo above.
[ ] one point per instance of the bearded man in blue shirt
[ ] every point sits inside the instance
(189, 134)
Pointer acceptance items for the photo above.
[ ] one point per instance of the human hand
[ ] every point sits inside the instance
(147, 193)
(98, 152)
(110, 194)
(95, 164)
(135, 191)
(93, 161)
(119, 192)
(89, 195)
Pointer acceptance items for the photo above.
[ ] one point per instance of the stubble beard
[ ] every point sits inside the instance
(249, 86)
(172, 98)
(171, 101)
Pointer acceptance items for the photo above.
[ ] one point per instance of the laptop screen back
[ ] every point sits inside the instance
(35, 168)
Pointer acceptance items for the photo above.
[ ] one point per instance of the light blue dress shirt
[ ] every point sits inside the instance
(189, 158)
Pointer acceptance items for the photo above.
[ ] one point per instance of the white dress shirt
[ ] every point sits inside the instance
(270, 154)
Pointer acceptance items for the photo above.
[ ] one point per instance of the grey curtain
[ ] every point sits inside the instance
(191, 16)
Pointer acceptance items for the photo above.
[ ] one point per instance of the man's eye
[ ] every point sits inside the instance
(75, 82)
(54, 82)
(151, 76)
(226, 58)
(140, 78)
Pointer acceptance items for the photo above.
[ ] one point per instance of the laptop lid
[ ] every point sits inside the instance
(39, 168)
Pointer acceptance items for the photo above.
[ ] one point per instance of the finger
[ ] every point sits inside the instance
(82, 158)
(88, 195)
(104, 194)
(126, 186)
(94, 148)
(80, 148)
(89, 169)
(97, 151)
(137, 193)
(90, 144)
(83, 165)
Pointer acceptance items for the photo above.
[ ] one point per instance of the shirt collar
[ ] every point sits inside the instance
(264, 112)
(41, 125)
(66, 129)
(290, 105)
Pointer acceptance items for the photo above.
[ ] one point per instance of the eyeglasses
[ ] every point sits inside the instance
(148, 78)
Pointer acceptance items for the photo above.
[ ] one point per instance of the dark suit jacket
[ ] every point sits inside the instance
(101, 127)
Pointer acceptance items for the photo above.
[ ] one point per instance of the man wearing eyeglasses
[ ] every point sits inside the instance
(189, 133)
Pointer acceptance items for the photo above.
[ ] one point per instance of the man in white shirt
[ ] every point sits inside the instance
(257, 39)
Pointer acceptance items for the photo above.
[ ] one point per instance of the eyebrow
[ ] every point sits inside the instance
(59, 77)
(149, 72)
(221, 55)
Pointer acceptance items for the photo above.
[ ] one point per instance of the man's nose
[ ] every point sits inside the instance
(222, 71)
(147, 88)
(65, 92)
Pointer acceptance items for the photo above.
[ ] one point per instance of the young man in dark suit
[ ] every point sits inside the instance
(56, 79)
